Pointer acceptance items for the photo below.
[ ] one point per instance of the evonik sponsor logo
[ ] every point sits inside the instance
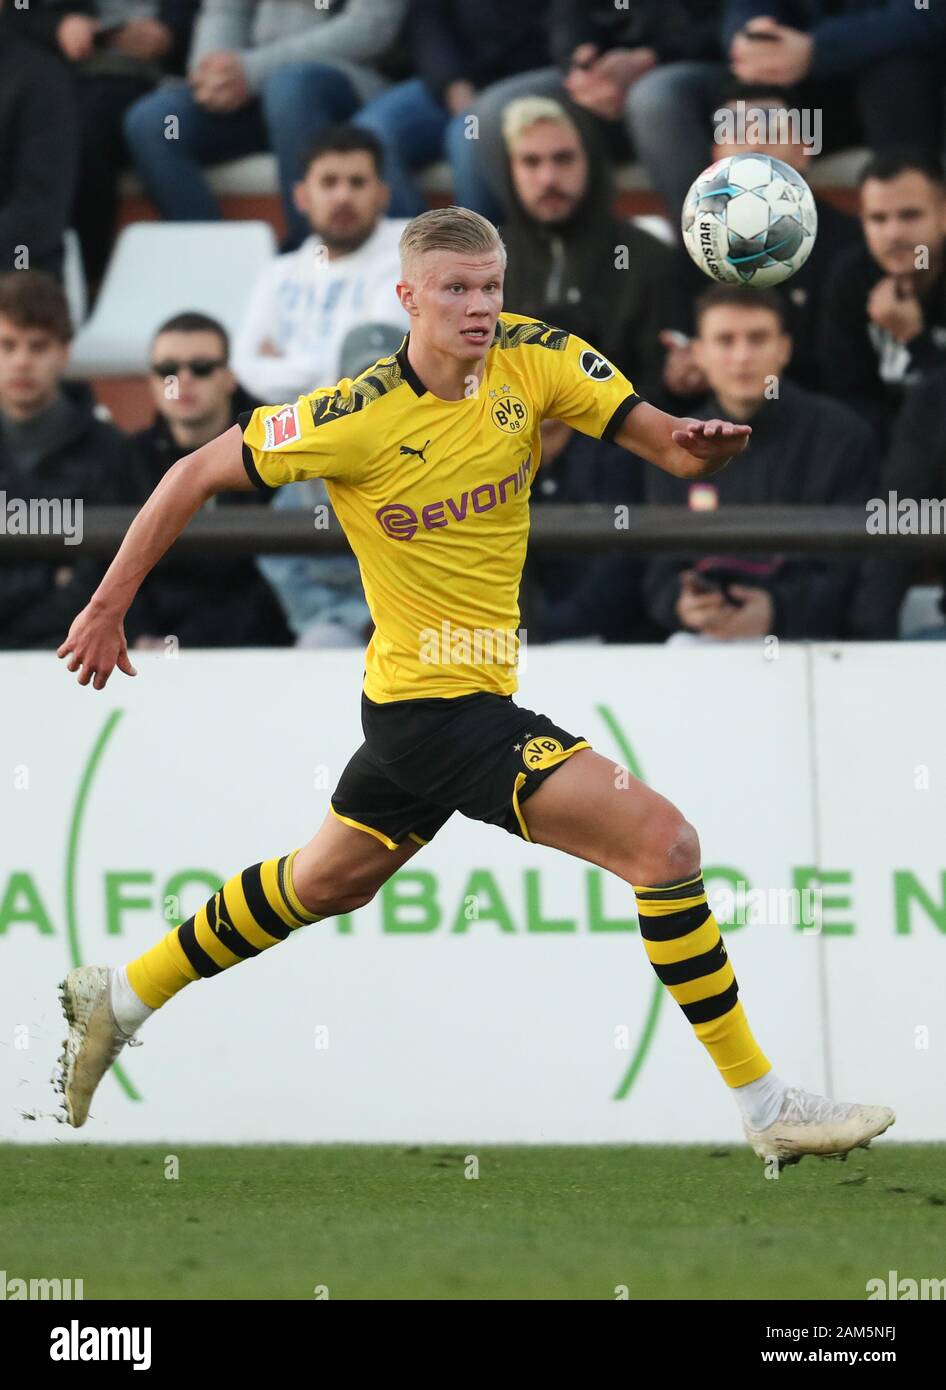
(401, 521)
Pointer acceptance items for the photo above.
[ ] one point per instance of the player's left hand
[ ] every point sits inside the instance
(712, 440)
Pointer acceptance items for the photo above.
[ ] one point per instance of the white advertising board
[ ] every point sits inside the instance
(538, 1019)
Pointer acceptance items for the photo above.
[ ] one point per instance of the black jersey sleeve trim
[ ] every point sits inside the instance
(619, 415)
(249, 463)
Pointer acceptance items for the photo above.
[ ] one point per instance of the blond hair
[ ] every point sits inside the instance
(525, 112)
(449, 229)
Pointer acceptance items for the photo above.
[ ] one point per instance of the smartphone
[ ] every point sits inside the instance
(105, 30)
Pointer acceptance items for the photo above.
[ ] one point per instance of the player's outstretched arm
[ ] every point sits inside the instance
(96, 642)
(686, 448)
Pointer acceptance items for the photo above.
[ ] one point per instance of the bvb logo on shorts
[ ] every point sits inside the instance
(541, 752)
(510, 414)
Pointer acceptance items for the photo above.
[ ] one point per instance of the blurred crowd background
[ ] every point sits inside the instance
(200, 209)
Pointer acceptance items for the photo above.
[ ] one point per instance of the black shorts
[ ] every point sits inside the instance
(421, 760)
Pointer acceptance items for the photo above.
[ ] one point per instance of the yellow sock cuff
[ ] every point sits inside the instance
(291, 895)
(161, 972)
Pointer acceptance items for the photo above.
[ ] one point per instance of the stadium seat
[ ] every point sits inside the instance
(162, 268)
(656, 226)
(920, 609)
(255, 175)
(252, 174)
(73, 277)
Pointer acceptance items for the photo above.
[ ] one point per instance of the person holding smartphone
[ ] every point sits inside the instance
(806, 450)
(873, 66)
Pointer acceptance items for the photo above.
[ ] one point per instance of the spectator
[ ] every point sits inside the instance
(873, 66)
(38, 154)
(805, 450)
(915, 469)
(342, 276)
(604, 54)
(305, 313)
(870, 68)
(263, 74)
(884, 318)
(322, 594)
(459, 47)
(117, 50)
(217, 601)
(573, 263)
(52, 446)
(765, 113)
(320, 313)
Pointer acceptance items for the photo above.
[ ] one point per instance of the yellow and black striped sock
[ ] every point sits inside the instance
(251, 912)
(682, 941)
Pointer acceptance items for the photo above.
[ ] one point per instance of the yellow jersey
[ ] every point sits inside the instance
(433, 495)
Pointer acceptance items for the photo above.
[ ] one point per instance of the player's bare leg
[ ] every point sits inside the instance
(339, 870)
(596, 810)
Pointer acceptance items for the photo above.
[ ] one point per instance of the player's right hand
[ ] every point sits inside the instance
(96, 645)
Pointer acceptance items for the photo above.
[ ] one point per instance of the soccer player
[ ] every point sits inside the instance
(428, 457)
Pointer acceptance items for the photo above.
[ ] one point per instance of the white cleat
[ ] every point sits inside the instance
(810, 1124)
(94, 1039)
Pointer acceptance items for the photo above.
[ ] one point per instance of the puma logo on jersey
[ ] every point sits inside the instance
(419, 453)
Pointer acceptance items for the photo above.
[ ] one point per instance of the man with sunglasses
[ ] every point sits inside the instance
(218, 601)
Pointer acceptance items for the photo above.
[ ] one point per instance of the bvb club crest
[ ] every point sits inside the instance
(509, 413)
(541, 751)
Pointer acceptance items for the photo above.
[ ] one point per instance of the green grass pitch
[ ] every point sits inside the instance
(395, 1222)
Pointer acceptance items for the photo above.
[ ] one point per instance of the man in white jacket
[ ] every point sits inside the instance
(325, 311)
(341, 277)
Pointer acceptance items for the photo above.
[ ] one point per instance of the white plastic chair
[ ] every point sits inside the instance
(73, 278)
(920, 609)
(159, 269)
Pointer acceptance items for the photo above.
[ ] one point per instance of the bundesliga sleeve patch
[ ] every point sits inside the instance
(595, 366)
(281, 427)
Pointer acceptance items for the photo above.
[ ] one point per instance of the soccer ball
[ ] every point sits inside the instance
(749, 219)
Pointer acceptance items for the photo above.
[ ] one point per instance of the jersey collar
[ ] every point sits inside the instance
(407, 371)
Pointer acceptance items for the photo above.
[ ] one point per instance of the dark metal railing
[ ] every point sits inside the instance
(592, 526)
